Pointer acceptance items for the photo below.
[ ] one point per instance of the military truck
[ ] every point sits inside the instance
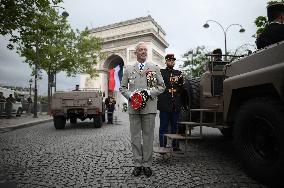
(245, 100)
(79, 104)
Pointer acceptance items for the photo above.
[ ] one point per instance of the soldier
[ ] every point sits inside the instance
(9, 104)
(142, 77)
(77, 88)
(110, 106)
(169, 102)
(217, 54)
(2, 102)
(274, 32)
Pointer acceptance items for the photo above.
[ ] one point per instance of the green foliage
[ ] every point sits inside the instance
(273, 2)
(49, 41)
(195, 66)
(260, 22)
(16, 15)
(87, 53)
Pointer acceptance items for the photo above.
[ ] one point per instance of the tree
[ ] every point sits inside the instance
(48, 43)
(262, 21)
(16, 15)
(196, 65)
(88, 53)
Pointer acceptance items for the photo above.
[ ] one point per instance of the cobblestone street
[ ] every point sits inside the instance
(82, 156)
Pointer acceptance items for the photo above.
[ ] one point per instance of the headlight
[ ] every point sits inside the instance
(89, 102)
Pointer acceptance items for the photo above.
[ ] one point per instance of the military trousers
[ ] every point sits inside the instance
(165, 119)
(142, 136)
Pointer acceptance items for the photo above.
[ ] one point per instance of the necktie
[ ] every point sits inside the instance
(141, 66)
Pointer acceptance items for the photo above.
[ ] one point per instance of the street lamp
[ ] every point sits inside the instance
(30, 82)
(206, 25)
(64, 14)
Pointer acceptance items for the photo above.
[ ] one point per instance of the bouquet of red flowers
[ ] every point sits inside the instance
(139, 99)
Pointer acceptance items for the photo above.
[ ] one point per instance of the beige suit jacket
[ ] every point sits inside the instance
(135, 80)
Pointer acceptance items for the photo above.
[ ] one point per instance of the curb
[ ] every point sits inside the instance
(24, 125)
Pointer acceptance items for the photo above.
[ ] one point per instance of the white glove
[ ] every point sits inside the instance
(148, 91)
(131, 94)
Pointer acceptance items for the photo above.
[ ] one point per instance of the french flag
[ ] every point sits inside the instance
(115, 76)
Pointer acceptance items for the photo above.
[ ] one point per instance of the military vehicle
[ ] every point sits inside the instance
(245, 100)
(79, 104)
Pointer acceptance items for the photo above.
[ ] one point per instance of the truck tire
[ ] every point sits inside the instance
(59, 122)
(193, 86)
(73, 120)
(190, 99)
(98, 121)
(259, 140)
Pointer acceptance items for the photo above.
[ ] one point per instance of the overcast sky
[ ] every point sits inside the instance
(182, 20)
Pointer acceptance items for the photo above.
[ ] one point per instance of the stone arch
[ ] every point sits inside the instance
(112, 61)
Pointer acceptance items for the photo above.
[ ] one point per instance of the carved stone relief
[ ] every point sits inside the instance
(89, 83)
(157, 57)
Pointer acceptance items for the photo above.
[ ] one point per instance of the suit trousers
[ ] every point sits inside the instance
(142, 152)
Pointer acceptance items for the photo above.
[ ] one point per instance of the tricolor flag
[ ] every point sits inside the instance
(115, 76)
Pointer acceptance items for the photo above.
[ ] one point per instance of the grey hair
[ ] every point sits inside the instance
(140, 43)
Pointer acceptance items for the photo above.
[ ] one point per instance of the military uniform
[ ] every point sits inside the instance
(110, 106)
(274, 32)
(142, 120)
(169, 103)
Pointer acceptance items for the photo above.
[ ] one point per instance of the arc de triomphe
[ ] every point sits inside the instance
(119, 41)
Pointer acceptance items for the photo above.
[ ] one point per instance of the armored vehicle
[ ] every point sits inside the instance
(245, 100)
(79, 104)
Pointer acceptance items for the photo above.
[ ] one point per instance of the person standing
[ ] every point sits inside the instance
(274, 31)
(142, 77)
(2, 103)
(77, 88)
(110, 106)
(217, 54)
(9, 105)
(169, 102)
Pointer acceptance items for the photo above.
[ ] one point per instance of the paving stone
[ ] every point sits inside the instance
(81, 156)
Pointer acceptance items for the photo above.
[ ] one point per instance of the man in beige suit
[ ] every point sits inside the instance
(136, 79)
